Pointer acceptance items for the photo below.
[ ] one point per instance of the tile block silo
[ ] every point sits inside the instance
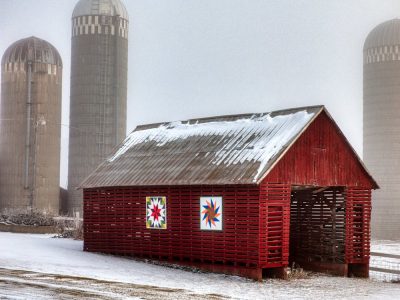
(98, 100)
(382, 125)
(30, 126)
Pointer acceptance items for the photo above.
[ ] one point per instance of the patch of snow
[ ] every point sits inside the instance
(272, 134)
(386, 246)
(40, 253)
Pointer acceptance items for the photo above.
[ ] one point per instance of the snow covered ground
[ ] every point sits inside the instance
(385, 246)
(43, 254)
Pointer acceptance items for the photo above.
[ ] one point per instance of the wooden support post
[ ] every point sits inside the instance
(280, 273)
(358, 217)
(358, 270)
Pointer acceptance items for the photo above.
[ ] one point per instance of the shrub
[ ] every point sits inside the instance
(69, 227)
(27, 218)
(296, 272)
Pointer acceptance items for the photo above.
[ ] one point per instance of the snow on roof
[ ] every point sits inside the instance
(100, 7)
(221, 150)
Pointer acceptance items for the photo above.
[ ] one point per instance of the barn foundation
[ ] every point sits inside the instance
(358, 270)
(279, 273)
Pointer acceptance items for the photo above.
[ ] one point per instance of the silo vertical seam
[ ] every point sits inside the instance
(116, 79)
(28, 131)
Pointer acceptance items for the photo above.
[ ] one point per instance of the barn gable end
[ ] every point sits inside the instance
(321, 156)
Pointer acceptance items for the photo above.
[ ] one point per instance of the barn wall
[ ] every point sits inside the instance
(114, 222)
(358, 219)
(322, 157)
(274, 224)
(358, 231)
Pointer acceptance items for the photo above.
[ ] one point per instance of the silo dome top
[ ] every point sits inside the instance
(385, 34)
(100, 7)
(32, 49)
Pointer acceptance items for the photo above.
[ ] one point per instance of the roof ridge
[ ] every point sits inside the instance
(234, 117)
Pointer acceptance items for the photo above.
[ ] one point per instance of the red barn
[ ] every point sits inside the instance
(244, 194)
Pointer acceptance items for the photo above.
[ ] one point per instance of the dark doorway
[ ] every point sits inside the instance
(317, 229)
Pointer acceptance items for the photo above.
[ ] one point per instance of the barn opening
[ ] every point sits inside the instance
(317, 229)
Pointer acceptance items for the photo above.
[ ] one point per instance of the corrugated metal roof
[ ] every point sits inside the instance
(385, 34)
(100, 7)
(236, 149)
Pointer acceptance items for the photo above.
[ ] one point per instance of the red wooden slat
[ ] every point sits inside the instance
(274, 225)
(358, 218)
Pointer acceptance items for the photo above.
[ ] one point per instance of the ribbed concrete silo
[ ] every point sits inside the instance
(98, 88)
(30, 126)
(382, 125)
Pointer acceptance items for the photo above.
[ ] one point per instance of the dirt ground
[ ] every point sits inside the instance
(16, 284)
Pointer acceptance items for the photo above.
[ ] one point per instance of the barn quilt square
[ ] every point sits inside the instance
(211, 213)
(156, 212)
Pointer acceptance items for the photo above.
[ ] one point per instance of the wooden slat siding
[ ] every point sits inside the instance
(320, 157)
(358, 218)
(274, 224)
(317, 226)
(114, 222)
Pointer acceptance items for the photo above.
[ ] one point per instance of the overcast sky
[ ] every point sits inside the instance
(197, 58)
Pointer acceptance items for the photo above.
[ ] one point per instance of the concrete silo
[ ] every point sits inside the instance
(30, 126)
(98, 88)
(382, 125)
